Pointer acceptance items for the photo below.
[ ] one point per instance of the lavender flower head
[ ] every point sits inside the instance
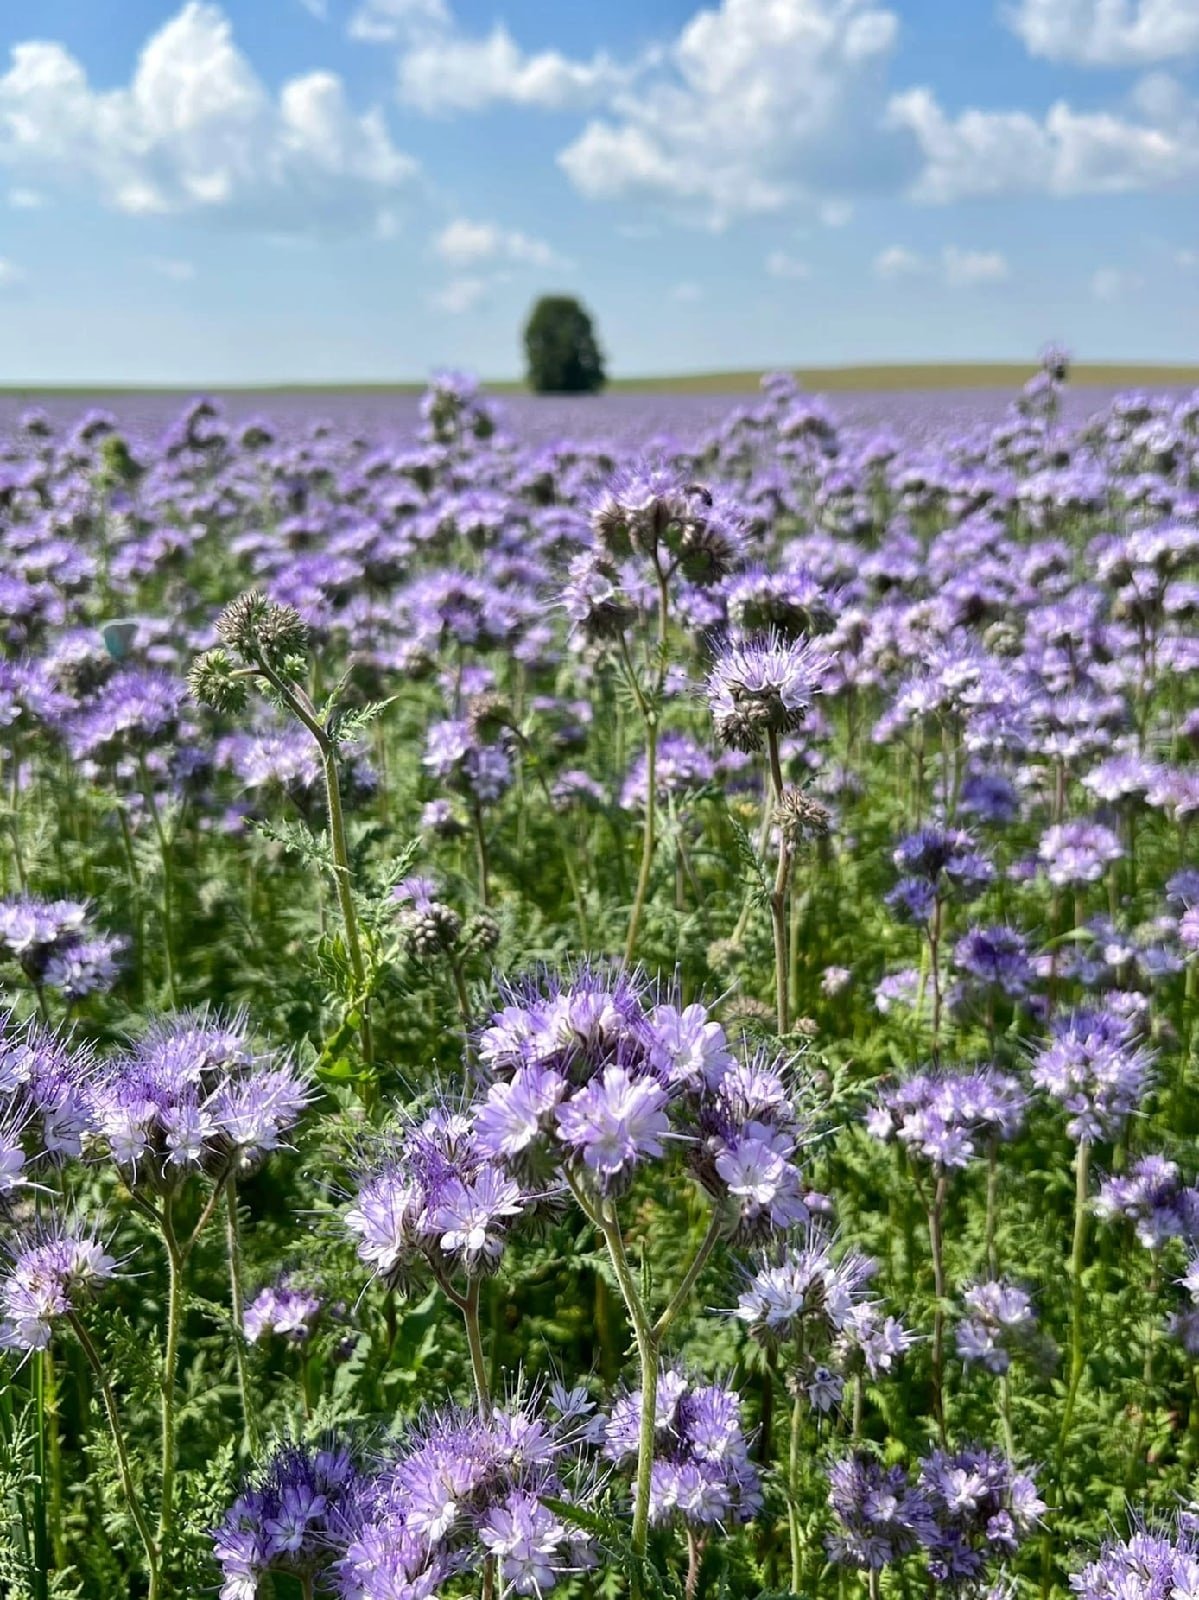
(434, 1199)
(1152, 1197)
(999, 1321)
(194, 1094)
(763, 687)
(879, 1517)
(982, 1509)
(287, 1517)
(702, 1472)
(1093, 1066)
(1077, 853)
(50, 1274)
(944, 1117)
(282, 1308)
(454, 1489)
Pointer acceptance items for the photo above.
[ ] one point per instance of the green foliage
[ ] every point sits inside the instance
(561, 351)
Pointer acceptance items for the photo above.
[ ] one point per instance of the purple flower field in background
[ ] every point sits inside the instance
(620, 418)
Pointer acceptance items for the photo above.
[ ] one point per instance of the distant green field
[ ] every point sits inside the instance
(846, 379)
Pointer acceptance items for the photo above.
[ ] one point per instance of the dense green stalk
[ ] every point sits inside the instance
(238, 1312)
(168, 1380)
(1082, 1159)
(132, 1498)
(778, 895)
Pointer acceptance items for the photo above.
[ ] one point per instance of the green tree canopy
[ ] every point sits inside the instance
(561, 348)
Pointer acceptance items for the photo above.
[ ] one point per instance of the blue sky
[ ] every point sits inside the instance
(275, 190)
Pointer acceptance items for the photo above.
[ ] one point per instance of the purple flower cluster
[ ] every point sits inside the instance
(981, 1510)
(702, 1472)
(56, 948)
(944, 1117)
(967, 1510)
(194, 1094)
(434, 1198)
(453, 1490)
(764, 686)
(287, 1519)
(1093, 1065)
(593, 1070)
(1152, 1196)
(999, 1321)
(1151, 1564)
(937, 864)
(282, 1308)
(49, 1275)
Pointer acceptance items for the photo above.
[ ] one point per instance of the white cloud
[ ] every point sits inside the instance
(687, 294)
(896, 262)
(316, 8)
(959, 268)
(463, 243)
(964, 268)
(1186, 259)
(169, 267)
(447, 71)
(1113, 283)
(197, 130)
(781, 265)
(755, 103)
(10, 274)
(1107, 33)
(388, 20)
(1154, 145)
(836, 213)
(25, 199)
(460, 295)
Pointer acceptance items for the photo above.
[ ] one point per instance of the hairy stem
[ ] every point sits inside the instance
(238, 1312)
(132, 1499)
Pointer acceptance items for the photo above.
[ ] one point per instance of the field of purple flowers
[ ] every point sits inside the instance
(601, 1022)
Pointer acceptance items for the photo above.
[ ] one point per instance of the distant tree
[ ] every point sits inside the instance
(561, 348)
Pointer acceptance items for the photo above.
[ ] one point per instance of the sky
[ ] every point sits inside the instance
(240, 191)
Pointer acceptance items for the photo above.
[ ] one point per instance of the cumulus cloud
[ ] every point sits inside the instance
(964, 268)
(460, 295)
(450, 72)
(897, 262)
(10, 274)
(1113, 283)
(1107, 33)
(196, 130)
(1153, 144)
(755, 103)
(957, 267)
(781, 265)
(386, 21)
(687, 294)
(464, 243)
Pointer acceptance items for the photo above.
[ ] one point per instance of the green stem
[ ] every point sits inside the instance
(478, 1366)
(474, 1338)
(647, 834)
(238, 1311)
(132, 1499)
(41, 1542)
(793, 1490)
(936, 1216)
(168, 882)
(778, 896)
(689, 1279)
(1082, 1160)
(482, 862)
(170, 1363)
